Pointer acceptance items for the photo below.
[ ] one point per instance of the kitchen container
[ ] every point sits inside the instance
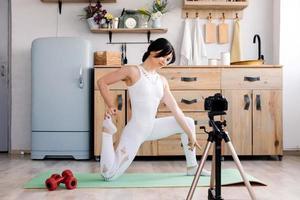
(107, 58)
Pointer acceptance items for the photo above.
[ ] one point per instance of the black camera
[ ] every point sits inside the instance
(216, 103)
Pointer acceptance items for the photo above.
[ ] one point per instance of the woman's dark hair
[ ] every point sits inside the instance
(163, 46)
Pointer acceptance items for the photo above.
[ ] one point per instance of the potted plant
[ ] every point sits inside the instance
(94, 14)
(108, 17)
(159, 7)
(145, 16)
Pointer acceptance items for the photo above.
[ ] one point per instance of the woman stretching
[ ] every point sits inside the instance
(146, 90)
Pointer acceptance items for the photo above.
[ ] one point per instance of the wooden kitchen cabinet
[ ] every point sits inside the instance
(267, 122)
(190, 86)
(172, 145)
(253, 131)
(119, 119)
(239, 121)
(254, 117)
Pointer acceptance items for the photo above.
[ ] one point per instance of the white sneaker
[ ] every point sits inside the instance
(191, 171)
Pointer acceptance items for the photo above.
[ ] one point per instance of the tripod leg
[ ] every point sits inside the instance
(213, 169)
(198, 172)
(240, 168)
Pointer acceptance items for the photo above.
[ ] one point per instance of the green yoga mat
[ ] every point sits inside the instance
(143, 180)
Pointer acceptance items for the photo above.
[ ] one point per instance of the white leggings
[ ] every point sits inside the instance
(114, 163)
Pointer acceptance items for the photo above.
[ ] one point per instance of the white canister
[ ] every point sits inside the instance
(225, 58)
(115, 23)
(212, 61)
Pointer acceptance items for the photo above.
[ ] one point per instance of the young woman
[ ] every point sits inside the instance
(146, 90)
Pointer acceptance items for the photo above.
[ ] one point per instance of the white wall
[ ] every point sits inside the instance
(32, 19)
(289, 57)
(276, 30)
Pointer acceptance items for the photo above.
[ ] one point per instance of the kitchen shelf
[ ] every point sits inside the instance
(129, 30)
(213, 9)
(79, 1)
(215, 5)
(110, 31)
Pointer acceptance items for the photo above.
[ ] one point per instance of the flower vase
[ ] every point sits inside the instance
(92, 24)
(156, 23)
(143, 22)
(104, 25)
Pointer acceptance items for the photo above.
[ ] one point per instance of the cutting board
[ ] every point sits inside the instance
(210, 32)
(223, 33)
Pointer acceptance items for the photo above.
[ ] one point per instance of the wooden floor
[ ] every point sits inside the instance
(282, 178)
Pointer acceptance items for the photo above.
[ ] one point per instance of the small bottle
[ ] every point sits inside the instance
(115, 22)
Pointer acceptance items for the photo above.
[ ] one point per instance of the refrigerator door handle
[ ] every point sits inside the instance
(81, 78)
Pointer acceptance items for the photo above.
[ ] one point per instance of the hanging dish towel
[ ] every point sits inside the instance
(186, 45)
(199, 50)
(235, 53)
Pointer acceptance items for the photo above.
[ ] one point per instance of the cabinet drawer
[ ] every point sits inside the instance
(99, 72)
(191, 79)
(252, 78)
(200, 119)
(189, 100)
(172, 145)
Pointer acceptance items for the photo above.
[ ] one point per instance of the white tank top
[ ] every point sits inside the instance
(145, 95)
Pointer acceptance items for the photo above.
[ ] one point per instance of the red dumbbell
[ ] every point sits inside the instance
(67, 178)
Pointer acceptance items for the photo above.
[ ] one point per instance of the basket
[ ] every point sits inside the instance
(107, 58)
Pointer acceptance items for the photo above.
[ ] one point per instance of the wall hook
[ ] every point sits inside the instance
(223, 16)
(187, 15)
(209, 16)
(236, 16)
(197, 14)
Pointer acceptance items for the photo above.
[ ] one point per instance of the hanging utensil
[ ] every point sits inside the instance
(125, 59)
(223, 31)
(122, 54)
(210, 31)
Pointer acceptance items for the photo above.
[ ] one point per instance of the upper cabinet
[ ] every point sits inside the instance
(215, 5)
(80, 1)
(213, 9)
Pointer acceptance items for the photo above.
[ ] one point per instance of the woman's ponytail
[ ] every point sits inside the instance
(145, 56)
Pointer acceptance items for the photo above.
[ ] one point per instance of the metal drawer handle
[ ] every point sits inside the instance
(2, 70)
(247, 101)
(199, 122)
(81, 78)
(120, 102)
(188, 101)
(188, 79)
(251, 79)
(258, 102)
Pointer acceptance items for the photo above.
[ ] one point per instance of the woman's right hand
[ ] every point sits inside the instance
(193, 143)
(110, 111)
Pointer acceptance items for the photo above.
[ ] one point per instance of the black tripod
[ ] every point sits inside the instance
(216, 136)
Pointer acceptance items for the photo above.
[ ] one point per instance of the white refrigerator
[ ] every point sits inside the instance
(61, 102)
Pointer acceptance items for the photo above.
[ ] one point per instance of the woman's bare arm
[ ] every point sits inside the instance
(172, 105)
(127, 74)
